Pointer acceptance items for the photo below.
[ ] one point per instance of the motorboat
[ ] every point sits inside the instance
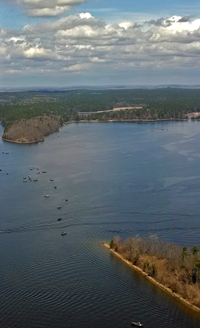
(63, 233)
(46, 196)
(137, 324)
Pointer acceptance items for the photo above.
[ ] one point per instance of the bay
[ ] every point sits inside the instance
(118, 179)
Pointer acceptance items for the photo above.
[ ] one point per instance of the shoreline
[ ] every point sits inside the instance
(96, 121)
(132, 120)
(22, 143)
(152, 280)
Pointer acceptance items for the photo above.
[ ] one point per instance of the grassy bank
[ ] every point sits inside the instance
(174, 269)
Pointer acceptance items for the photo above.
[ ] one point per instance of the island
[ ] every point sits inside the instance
(170, 267)
(30, 116)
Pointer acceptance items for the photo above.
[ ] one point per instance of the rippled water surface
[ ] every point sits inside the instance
(119, 179)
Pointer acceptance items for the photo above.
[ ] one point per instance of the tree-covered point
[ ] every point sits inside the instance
(157, 104)
(174, 267)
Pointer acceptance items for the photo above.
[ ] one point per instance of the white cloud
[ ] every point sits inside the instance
(47, 12)
(83, 44)
(48, 8)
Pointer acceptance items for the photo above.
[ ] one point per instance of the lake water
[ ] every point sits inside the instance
(120, 179)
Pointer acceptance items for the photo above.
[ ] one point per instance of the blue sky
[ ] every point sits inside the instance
(103, 42)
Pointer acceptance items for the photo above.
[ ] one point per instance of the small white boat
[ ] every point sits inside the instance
(137, 324)
(46, 196)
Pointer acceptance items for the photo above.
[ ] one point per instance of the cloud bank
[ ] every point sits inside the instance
(45, 8)
(82, 44)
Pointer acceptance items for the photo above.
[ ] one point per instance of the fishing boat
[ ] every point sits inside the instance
(137, 324)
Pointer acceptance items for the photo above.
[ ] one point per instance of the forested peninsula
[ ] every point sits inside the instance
(170, 267)
(30, 116)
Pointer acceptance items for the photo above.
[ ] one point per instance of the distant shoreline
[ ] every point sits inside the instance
(155, 282)
(97, 121)
(132, 120)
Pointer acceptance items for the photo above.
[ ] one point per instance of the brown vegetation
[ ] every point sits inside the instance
(171, 266)
(31, 130)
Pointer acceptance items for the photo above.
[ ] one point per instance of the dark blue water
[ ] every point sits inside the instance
(120, 179)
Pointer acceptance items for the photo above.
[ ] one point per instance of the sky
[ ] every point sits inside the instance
(60, 43)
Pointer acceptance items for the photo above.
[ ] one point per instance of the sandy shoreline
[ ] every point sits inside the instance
(166, 289)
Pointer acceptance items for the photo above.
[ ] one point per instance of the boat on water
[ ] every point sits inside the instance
(63, 233)
(55, 187)
(46, 196)
(59, 219)
(58, 207)
(51, 179)
(137, 324)
(44, 171)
